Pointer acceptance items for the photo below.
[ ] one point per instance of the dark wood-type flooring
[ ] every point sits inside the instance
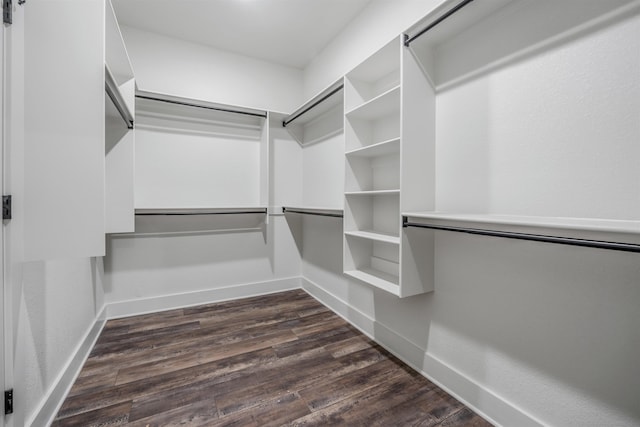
(281, 359)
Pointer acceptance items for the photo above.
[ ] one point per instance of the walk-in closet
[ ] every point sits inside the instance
(335, 212)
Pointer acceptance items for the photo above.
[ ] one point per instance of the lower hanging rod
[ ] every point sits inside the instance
(186, 212)
(316, 212)
(598, 244)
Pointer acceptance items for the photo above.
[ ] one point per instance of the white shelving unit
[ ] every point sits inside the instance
(119, 133)
(508, 116)
(381, 137)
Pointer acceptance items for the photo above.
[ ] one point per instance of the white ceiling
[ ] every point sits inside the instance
(288, 32)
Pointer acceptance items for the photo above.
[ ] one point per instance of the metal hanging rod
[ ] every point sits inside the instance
(207, 107)
(185, 212)
(598, 244)
(316, 212)
(311, 106)
(111, 87)
(408, 40)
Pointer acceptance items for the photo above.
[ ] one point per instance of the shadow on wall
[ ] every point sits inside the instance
(514, 313)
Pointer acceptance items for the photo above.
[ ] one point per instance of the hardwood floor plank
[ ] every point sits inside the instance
(116, 415)
(173, 398)
(279, 359)
(144, 370)
(197, 414)
(464, 417)
(272, 412)
(329, 392)
(130, 391)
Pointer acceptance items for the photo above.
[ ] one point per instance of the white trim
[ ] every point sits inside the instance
(466, 390)
(53, 399)
(167, 302)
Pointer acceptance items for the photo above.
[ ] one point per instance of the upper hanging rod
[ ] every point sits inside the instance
(598, 244)
(408, 40)
(311, 106)
(112, 90)
(225, 109)
(318, 212)
(202, 211)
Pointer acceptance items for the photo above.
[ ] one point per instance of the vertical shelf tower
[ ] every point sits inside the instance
(389, 168)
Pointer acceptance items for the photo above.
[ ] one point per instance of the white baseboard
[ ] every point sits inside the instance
(187, 299)
(54, 398)
(484, 402)
(492, 407)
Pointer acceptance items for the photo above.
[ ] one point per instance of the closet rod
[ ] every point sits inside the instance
(408, 40)
(598, 244)
(187, 104)
(297, 114)
(112, 90)
(169, 212)
(316, 212)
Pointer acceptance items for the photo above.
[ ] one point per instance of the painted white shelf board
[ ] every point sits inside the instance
(323, 102)
(372, 193)
(383, 148)
(382, 105)
(376, 278)
(201, 211)
(624, 231)
(311, 210)
(193, 102)
(374, 235)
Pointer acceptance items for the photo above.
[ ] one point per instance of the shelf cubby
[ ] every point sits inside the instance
(374, 262)
(372, 173)
(388, 168)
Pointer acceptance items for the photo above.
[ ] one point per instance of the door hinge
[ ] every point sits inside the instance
(6, 207)
(8, 402)
(7, 12)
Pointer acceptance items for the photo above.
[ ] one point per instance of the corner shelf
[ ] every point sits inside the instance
(378, 279)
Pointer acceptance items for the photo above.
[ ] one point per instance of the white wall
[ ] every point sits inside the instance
(376, 25)
(155, 271)
(528, 333)
(182, 260)
(164, 64)
(56, 307)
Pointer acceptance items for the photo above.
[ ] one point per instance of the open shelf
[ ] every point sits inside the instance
(373, 193)
(383, 105)
(337, 213)
(622, 231)
(201, 211)
(375, 235)
(390, 146)
(379, 279)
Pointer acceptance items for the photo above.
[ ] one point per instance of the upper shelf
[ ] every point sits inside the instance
(323, 102)
(391, 146)
(201, 211)
(623, 231)
(454, 47)
(116, 56)
(383, 105)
